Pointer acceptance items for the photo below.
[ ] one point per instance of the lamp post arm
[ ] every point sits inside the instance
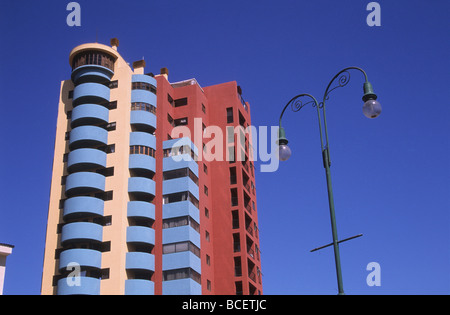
(296, 105)
(343, 80)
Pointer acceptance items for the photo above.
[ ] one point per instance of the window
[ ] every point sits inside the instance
(180, 122)
(233, 178)
(185, 149)
(181, 196)
(181, 221)
(70, 96)
(205, 189)
(170, 120)
(235, 219)
(208, 285)
(105, 196)
(207, 236)
(111, 126)
(181, 247)
(107, 172)
(140, 149)
(112, 105)
(181, 102)
(234, 197)
(143, 86)
(170, 100)
(110, 148)
(207, 212)
(231, 154)
(205, 168)
(208, 260)
(182, 273)
(93, 58)
(143, 106)
(183, 172)
(114, 84)
(203, 108)
(229, 115)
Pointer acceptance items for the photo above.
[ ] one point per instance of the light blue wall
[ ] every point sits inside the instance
(143, 138)
(143, 78)
(181, 161)
(143, 96)
(180, 209)
(179, 185)
(181, 234)
(92, 70)
(141, 209)
(181, 260)
(181, 287)
(141, 184)
(85, 179)
(89, 111)
(139, 287)
(81, 256)
(88, 286)
(90, 133)
(82, 231)
(83, 204)
(142, 161)
(142, 117)
(96, 90)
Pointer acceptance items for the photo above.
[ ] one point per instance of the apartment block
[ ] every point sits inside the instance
(141, 202)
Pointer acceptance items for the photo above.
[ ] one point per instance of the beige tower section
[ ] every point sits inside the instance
(113, 259)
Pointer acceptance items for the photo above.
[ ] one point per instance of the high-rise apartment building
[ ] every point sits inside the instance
(137, 209)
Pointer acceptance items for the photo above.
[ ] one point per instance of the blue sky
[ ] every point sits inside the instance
(391, 176)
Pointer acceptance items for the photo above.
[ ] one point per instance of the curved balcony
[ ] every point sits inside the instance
(89, 114)
(84, 182)
(144, 78)
(87, 258)
(139, 287)
(85, 286)
(140, 261)
(181, 184)
(142, 138)
(143, 120)
(143, 96)
(140, 234)
(181, 260)
(81, 232)
(91, 73)
(83, 206)
(141, 187)
(87, 136)
(141, 209)
(85, 159)
(142, 162)
(90, 93)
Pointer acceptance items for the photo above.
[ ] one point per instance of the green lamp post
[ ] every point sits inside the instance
(371, 109)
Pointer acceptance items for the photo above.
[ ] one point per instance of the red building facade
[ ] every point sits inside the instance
(229, 234)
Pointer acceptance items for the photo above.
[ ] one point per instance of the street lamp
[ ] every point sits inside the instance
(371, 109)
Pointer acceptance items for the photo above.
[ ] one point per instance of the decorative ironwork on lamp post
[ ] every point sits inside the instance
(371, 109)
